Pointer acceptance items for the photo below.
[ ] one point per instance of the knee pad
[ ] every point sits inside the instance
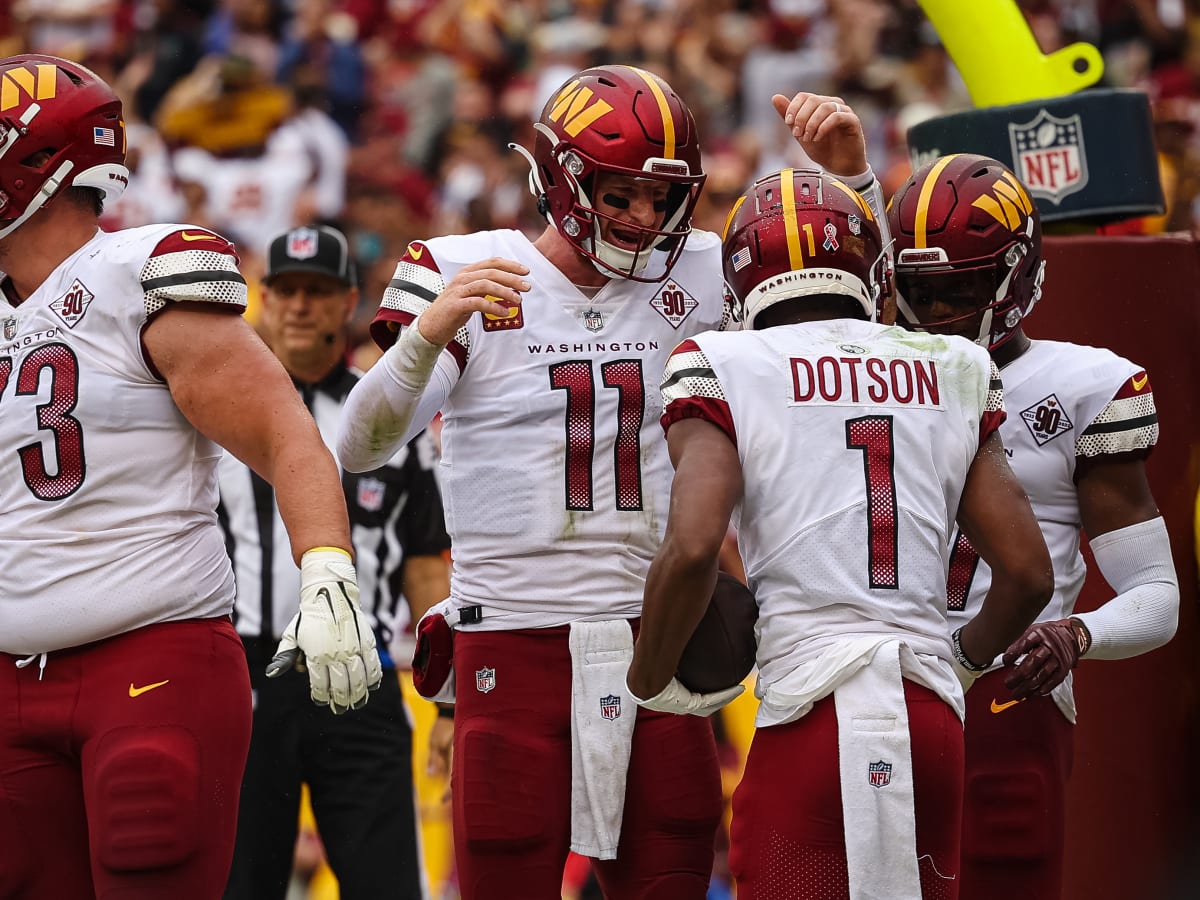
(1005, 817)
(506, 789)
(143, 798)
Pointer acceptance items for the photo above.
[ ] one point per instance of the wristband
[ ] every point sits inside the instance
(445, 710)
(1083, 637)
(956, 646)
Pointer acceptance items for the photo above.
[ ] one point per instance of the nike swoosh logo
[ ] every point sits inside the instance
(138, 691)
(1139, 383)
(188, 236)
(416, 251)
(1001, 707)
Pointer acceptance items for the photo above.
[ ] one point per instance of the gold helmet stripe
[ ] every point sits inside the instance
(737, 204)
(855, 196)
(664, 109)
(922, 220)
(787, 195)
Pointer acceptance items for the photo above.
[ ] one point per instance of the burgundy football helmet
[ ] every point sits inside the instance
(798, 233)
(60, 126)
(626, 121)
(965, 226)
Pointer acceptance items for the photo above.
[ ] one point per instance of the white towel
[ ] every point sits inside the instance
(875, 753)
(602, 717)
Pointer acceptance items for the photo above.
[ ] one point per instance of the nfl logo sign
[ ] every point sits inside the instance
(10, 328)
(879, 773)
(302, 243)
(610, 707)
(593, 321)
(485, 680)
(1048, 155)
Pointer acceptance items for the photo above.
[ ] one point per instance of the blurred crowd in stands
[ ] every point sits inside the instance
(391, 118)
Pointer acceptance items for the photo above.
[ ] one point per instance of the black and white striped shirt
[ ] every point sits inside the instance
(395, 512)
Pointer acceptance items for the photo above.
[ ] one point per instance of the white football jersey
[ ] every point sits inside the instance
(554, 473)
(1065, 401)
(855, 440)
(109, 494)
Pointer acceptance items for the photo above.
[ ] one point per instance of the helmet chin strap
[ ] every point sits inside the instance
(49, 187)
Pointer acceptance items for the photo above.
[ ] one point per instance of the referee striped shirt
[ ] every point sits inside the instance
(395, 512)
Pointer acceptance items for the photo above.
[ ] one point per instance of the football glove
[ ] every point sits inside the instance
(1044, 655)
(330, 636)
(675, 698)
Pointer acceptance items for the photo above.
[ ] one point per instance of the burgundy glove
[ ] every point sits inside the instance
(1050, 651)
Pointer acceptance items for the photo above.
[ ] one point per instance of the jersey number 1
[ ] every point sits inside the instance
(873, 436)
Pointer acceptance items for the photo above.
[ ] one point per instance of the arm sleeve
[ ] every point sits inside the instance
(394, 401)
(869, 188)
(1136, 562)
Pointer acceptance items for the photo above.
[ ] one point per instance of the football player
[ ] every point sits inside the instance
(125, 365)
(844, 450)
(544, 357)
(968, 245)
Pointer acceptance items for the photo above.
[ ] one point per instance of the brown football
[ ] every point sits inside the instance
(720, 652)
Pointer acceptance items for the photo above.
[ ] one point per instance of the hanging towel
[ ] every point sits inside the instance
(602, 717)
(875, 753)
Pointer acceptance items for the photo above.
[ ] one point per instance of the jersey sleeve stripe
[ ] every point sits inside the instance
(1123, 425)
(192, 275)
(1128, 423)
(691, 389)
(407, 287)
(167, 281)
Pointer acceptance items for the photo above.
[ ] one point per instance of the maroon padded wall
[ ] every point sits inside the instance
(1134, 805)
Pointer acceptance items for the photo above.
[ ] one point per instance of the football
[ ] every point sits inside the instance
(720, 652)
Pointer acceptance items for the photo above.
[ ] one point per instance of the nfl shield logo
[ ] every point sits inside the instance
(879, 773)
(610, 707)
(1049, 156)
(593, 320)
(302, 243)
(370, 493)
(10, 328)
(485, 680)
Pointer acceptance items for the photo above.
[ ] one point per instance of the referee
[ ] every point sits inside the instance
(358, 766)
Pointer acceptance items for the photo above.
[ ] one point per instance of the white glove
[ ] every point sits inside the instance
(330, 636)
(675, 698)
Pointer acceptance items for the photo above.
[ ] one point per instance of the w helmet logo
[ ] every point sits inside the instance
(39, 83)
(574, 105)
(1008, 204)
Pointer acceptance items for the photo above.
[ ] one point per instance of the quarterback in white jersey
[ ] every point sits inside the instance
(845, 451)
(1081, 423)
(124, 696)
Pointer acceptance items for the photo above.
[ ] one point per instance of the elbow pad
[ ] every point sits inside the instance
(1136, 562)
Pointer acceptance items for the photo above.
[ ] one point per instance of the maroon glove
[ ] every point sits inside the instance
(1050, 651)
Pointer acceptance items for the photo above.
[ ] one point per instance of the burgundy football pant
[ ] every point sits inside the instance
(787, 839)
(1014, 815)
(511, 781)
(120, 768)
